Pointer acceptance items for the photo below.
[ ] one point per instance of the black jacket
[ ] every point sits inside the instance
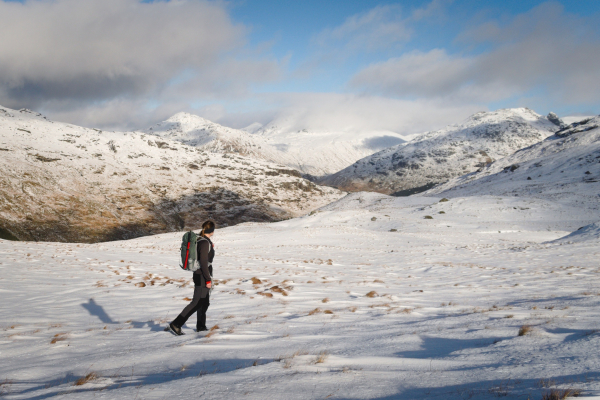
(206, 254)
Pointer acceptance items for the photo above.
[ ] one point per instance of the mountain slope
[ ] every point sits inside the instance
(68, 183)
(565, 168)
(310, 152)
(438, 156)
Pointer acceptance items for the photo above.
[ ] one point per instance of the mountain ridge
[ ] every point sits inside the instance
(68, 183)
(437, 156)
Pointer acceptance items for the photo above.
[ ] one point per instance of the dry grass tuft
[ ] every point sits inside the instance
(560, 394)
(266, 294)
(140, 284)
(352, 309)
(325, 300)
(187, 299)
(59, 337)
(229, 317)
(315, 311)
(509, 316)
(256, 281)
(321, 357)
(212, 331)
(328, 312)
(85, 379)
(378, 281)
(524, 330)
(372, 293)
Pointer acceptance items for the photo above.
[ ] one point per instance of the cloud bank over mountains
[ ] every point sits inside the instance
(543, 49)
(126, 64)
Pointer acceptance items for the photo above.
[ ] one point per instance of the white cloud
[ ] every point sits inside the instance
(544, 49)
(355, 113)
(377, 29)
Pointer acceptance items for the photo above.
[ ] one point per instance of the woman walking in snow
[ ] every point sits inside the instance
(202, 283)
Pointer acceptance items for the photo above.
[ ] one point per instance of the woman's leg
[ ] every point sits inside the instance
(189, 309)
(202, 307)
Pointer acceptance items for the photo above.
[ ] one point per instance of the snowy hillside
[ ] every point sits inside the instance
(64, 182)
(565, 167)
(438, 156)
(366, 298)
(313, 153)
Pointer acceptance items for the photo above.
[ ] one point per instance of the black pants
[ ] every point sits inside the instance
(199, 305)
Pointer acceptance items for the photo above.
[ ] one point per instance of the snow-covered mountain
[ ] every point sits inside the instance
(64, 182)
(438, 156)
(564, 168)
(310, 152)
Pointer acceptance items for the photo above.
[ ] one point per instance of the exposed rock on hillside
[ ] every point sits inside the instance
(438, 156)
(66, 183)
(565, 168)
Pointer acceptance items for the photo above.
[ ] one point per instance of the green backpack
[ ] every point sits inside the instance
(189, 253)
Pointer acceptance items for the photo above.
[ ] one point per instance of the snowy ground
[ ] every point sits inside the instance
(345, 308)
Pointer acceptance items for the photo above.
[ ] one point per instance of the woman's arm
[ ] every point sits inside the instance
(204, 249)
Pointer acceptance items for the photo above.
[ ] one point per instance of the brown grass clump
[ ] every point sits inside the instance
(315, 311)
(140, 284)
(372, 293)
(561, 394)
(378, 281)
(212, 331)
(328, 312)
(187, 299)
(85, 379)
(321, 357)
(229, 317)
(59, 337)
(256, 281)
(325, 300)
(266, 294)
(277, 289)
(524, 330)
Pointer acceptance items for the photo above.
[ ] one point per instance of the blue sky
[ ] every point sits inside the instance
(403, 66)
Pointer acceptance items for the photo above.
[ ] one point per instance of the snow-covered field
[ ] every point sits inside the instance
(341, 306)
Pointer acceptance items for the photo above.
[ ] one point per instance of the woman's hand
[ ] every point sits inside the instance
(208, 284)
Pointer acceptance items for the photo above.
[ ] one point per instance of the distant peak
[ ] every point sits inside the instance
(187, 117)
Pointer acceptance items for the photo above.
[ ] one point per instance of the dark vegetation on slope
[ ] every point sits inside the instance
(88, 221)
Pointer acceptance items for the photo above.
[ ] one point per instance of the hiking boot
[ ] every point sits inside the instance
(201, 328)
(175, 329)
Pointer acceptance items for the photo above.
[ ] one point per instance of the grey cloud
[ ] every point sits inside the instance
(543, 49)
(78, 52)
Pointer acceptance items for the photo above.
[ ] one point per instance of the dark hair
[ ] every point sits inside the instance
(207, 227)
